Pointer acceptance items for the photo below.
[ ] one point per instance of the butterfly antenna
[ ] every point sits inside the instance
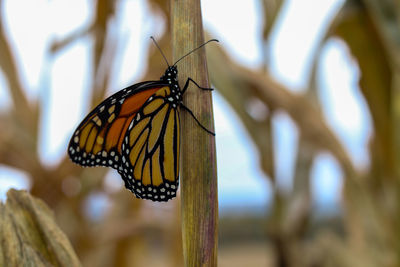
(152, 38)
(212, 40)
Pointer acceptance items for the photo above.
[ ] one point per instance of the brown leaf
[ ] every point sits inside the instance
(29, 234)
(356, 27)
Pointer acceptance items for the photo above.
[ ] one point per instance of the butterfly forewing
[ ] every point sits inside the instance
(97, 140)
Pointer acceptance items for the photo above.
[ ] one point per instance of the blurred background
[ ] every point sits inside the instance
(307, 120)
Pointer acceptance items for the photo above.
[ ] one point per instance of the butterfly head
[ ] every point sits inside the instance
(170, 74)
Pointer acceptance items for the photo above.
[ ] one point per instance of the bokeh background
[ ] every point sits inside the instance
(306, 115)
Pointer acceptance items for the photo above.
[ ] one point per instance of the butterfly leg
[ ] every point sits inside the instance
(194, 117)
(191, 80)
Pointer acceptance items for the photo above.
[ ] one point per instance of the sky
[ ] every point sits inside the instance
(60, 84)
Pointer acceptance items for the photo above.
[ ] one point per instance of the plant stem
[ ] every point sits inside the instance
(198, 165)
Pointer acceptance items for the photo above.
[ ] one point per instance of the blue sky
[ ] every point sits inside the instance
(61, 83)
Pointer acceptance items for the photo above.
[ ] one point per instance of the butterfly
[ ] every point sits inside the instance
(136, 131)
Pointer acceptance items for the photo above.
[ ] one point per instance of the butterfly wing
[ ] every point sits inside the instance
(150, 149)
(97, 140)
(135, 131)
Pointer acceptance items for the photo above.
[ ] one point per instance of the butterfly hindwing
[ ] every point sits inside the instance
(150, 149)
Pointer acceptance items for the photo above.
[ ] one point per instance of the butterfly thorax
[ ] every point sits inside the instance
(170, 75)
(170, 78)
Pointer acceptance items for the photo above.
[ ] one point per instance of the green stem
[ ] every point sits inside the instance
(198, 165)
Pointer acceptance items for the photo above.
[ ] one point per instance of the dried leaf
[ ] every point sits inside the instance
(30, 235)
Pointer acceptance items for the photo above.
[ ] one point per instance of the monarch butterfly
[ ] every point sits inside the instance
(136, 132)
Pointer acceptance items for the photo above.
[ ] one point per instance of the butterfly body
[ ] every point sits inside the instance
(136, 132)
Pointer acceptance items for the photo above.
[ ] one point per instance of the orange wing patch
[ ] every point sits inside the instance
(136, 102)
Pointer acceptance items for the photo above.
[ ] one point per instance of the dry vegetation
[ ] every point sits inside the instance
(133, 233)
